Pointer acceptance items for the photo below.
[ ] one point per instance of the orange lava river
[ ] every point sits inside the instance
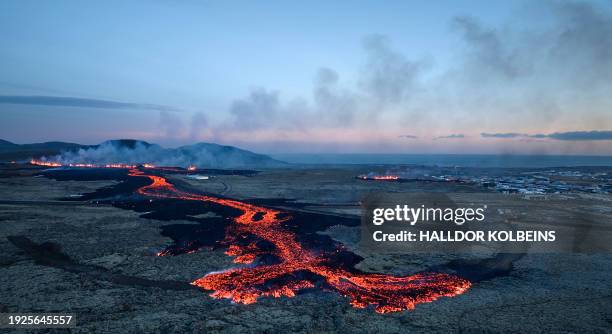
(246, 284)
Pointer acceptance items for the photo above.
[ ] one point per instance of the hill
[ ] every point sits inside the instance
(137, 151)
(11, 151)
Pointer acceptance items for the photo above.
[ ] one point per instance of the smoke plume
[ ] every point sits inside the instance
(202, 155)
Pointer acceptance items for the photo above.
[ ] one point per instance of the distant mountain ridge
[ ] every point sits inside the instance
(138, 151)
(11, 151)
(129, 143)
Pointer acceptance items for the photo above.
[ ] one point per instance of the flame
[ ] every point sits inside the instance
(386, 177)
(81, 165)
(192, 168)
(379, 177)
(386, 293)
(119, 165)
(108, 165)
(45, 163)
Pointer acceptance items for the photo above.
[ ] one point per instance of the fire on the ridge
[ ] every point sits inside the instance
(379, 177)
(45, 163)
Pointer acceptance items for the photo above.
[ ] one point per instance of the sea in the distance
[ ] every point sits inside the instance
(448, 160)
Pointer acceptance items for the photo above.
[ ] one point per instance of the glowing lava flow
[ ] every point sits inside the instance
(299, 268)
(386, 177)
(81, 165)
(380, 177)
(45, 163)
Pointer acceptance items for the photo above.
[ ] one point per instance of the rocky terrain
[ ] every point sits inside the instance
(100, 262)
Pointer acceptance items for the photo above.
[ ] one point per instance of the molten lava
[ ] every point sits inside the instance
(45, 163)
(297, 268)
(119, 166)
(379, 177)
(79, 165)
(108, 165)
(386, 177)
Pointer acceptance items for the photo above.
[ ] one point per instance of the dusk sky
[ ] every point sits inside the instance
(311, 76)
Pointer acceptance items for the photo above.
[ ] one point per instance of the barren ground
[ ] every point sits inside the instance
(545, 292)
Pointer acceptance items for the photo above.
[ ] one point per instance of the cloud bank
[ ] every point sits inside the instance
(569, 136)
(451, 136)
(502, 135)
(63, 101)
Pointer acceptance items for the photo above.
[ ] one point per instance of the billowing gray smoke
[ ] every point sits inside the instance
(202, 155)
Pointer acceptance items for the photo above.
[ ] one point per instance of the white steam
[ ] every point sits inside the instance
(202, 155)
